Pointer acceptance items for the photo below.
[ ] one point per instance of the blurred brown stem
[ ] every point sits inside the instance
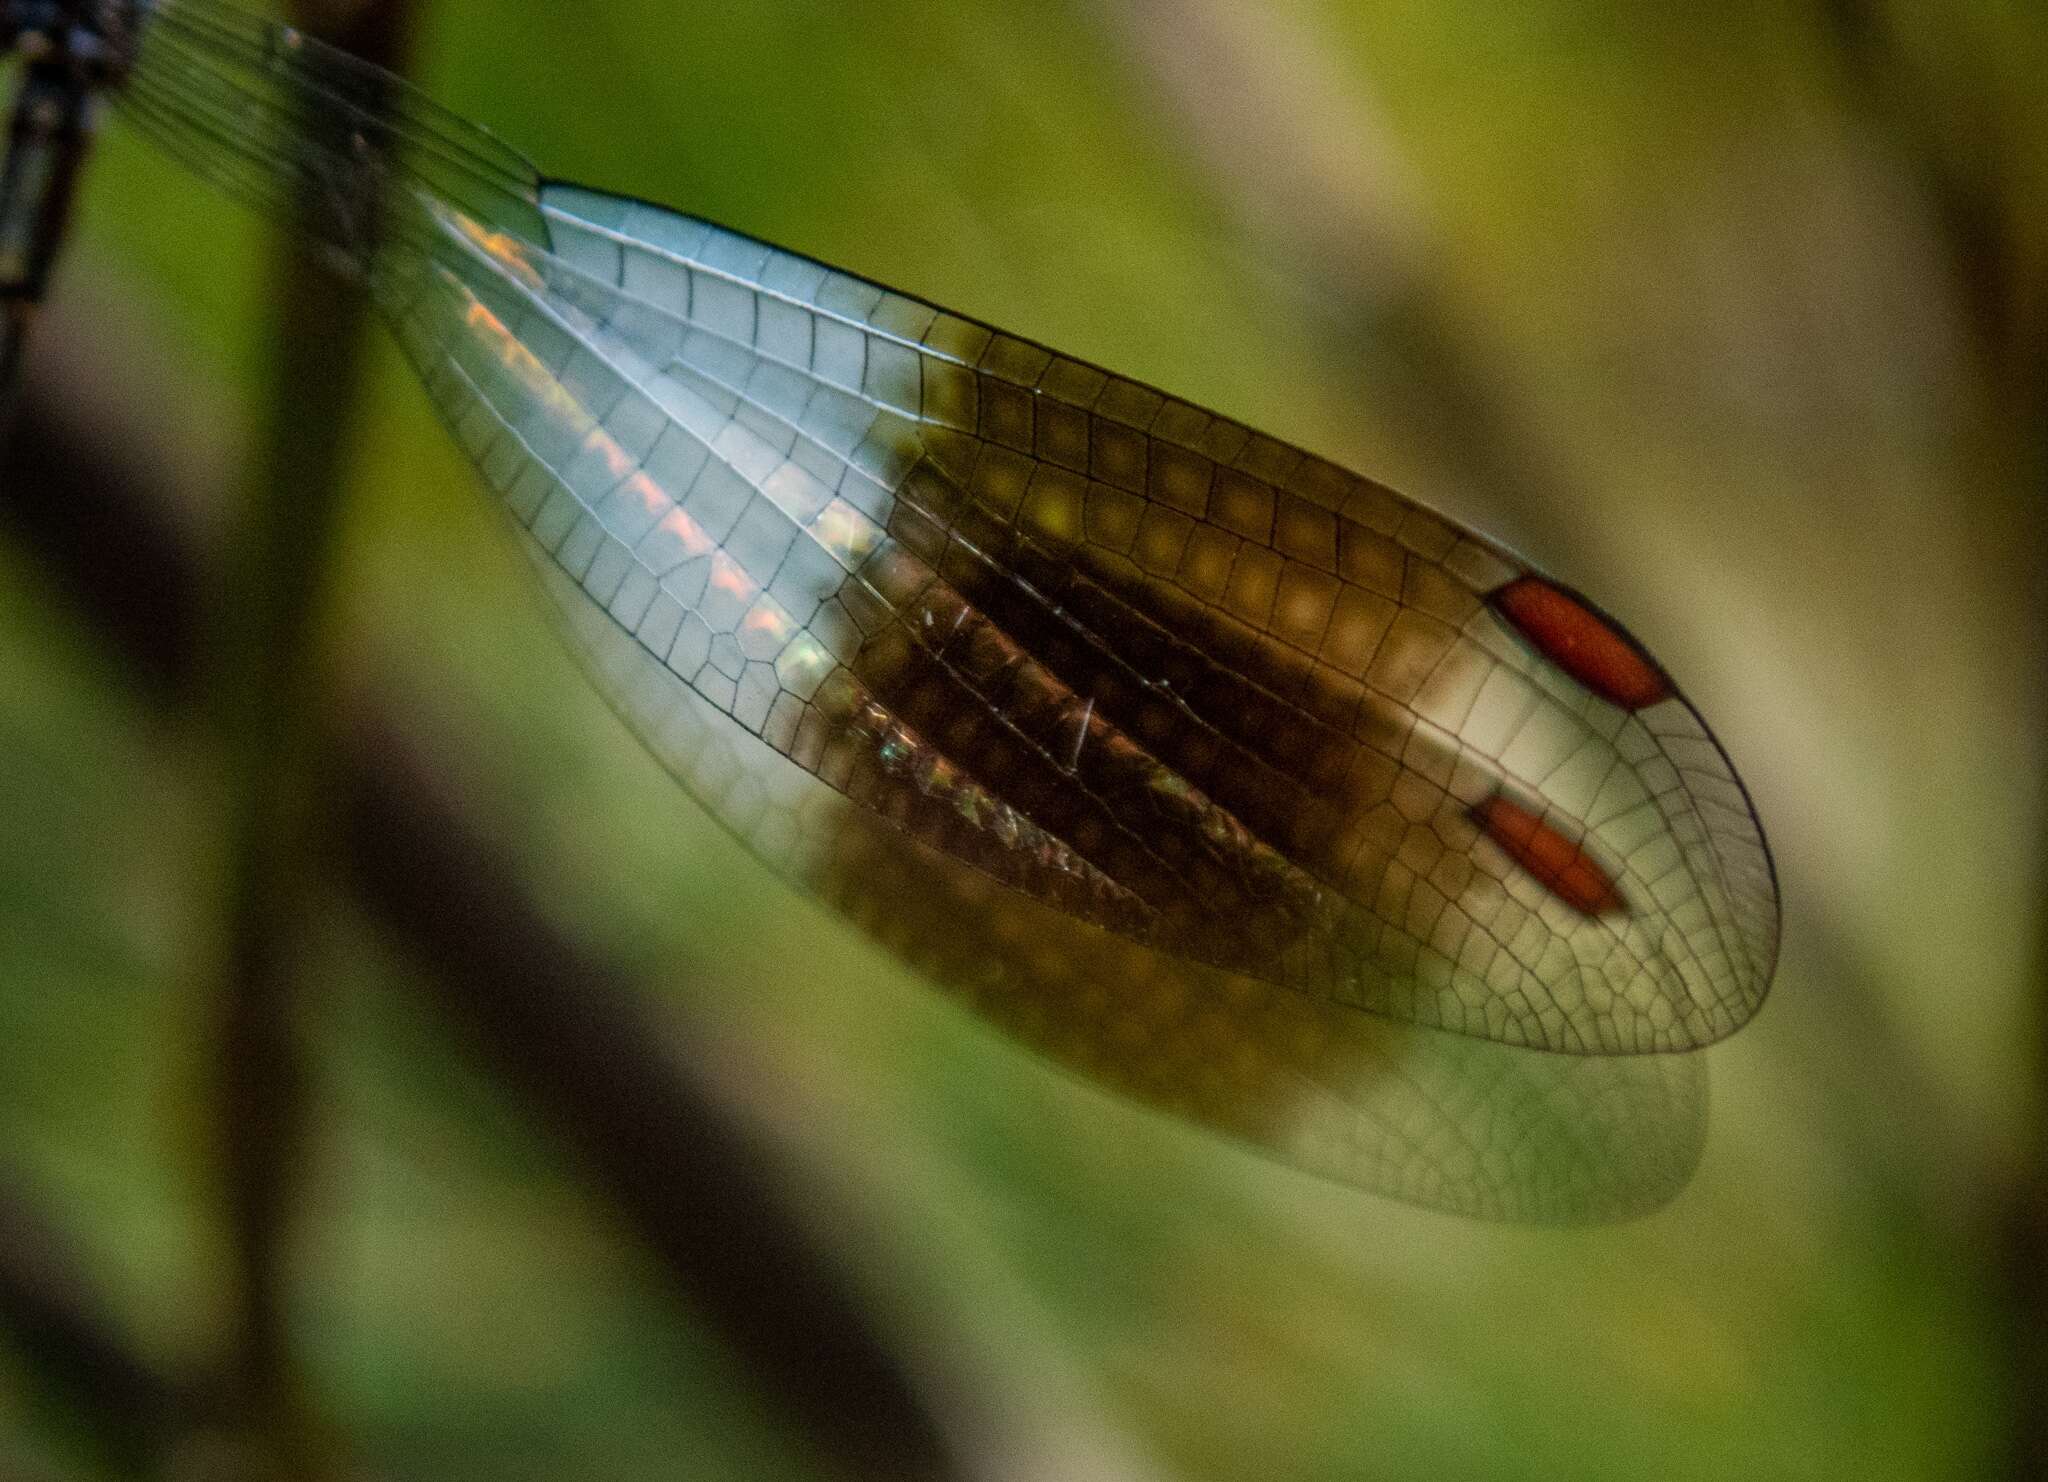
(267, 691)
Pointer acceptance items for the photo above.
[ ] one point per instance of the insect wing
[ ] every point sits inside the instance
(725, 533)
(1178, 680)
(1211, 769)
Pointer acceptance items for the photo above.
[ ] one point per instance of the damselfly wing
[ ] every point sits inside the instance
(1232, 779)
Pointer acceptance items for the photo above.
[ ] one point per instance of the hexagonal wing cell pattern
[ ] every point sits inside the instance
(1174, 678)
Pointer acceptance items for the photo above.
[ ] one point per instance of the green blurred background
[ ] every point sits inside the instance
(1658, 296)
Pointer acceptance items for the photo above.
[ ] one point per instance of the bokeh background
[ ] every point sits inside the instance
(1730, 316)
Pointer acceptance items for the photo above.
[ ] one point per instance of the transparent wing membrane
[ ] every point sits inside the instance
(277, 119)
(1206, 767)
